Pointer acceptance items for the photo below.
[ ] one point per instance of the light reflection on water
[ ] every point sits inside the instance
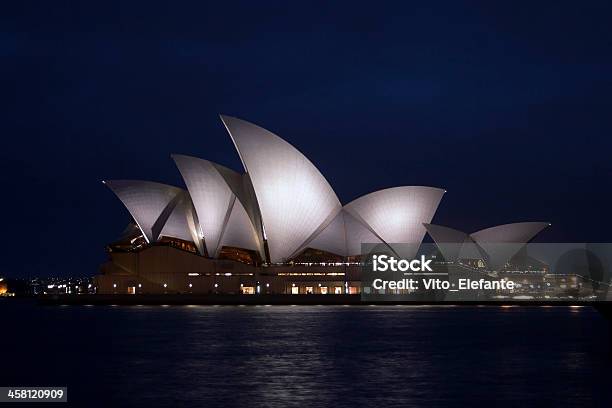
(311, 355)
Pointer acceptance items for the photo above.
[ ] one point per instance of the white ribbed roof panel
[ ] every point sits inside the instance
(240, 184)
(146, 201)
(176, 225)
(356, 234)
(343, 236)
(502, 242)
(396, 215)
(518, 232)
(450, 241)
(332, 238)
(211, 196)
(239, 231)
(293, 197)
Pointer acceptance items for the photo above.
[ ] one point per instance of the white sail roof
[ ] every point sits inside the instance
(182, 224)
(396, 215)
(211, 196)
(239, 231)
(284, 199)
(356, 234)
(241, 186)
(149, 203)
(332, 238)
(496, 244)
(343, 236)
(222, 217)
(176, 225)
(293, 197)
(502, 242)
(450, 241)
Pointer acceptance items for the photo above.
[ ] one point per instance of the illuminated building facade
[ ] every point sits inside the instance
(276, 227)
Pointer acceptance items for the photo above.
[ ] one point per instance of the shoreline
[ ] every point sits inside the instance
(339, 300)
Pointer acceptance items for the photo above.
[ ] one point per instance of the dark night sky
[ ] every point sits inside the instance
(505, 105)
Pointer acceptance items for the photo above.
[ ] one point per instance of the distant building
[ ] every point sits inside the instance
(3, 287)
(61, 286)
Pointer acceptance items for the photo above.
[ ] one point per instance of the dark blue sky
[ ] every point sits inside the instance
(505, 105)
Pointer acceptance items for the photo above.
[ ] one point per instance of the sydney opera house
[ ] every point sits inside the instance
(276, 226)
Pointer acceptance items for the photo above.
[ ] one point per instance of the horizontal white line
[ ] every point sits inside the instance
(426, 273)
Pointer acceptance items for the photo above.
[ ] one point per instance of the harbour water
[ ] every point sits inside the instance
(279, 356)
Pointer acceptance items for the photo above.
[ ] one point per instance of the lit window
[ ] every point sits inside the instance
(309, 290)
(295, 290)
(337, 290)
(324, 290)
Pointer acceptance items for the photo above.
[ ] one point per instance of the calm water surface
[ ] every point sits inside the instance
(304, 356)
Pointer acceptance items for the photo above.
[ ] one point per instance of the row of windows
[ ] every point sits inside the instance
(324, 290)
(295, 289)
